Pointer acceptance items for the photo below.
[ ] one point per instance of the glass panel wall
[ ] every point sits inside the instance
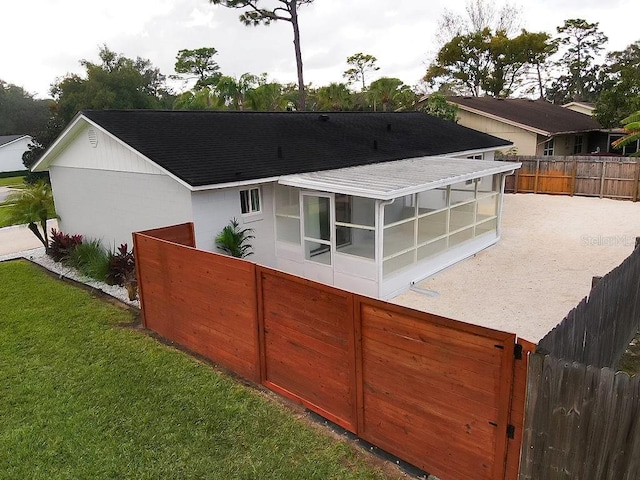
(420, 226)
(355, 226)
(317, 228)
(287, 214)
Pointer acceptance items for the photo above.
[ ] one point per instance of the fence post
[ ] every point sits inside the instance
(602, 178)
(636, 183)
(574, 173)
(535, 181)
(596, 279)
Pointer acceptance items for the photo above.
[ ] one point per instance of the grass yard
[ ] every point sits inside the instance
(4, 216)
(83, 397)
(11, 181)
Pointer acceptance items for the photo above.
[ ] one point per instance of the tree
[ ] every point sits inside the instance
(436, 104)
(620, 95)
(267, 97)
(632, 129)
(232, 92)
(582, 41)
(480, 15)
(287, 11)
(199, 64)
(33, 205)
(483, 62)
(361, 64)
(116, 82)
(335, 97)
(390, 93)
(20, 113)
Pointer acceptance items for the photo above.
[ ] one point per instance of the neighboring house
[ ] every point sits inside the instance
(368, 202)
(11, 149)
(587, 108)
(536, 127)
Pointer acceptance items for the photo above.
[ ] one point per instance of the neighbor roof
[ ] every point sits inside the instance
(4, 139)
(537, 115)
(210, 147)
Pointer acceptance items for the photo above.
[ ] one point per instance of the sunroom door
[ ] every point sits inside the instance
(317, 240)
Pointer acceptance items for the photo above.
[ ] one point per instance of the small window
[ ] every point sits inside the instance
(577, 146)
(548, 148)
(250, 201)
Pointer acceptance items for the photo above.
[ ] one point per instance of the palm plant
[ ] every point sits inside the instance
(234, 240)
(33, 205)
(632, 129)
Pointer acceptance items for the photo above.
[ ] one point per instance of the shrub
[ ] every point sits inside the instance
(122, 266)
(234, 240)
(62, 245)
(90, 259)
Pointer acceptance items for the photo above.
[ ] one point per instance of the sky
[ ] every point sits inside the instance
(44, 40)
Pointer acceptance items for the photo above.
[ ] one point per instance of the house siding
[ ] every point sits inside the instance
(109, 206)
(214, 209)
(11, 155)
(524, 142)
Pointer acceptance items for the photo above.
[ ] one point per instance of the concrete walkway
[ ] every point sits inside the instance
(19, 238)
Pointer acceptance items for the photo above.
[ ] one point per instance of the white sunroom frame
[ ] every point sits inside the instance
(385, 184)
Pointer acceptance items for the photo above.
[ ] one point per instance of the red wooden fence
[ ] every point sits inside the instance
(440, 394)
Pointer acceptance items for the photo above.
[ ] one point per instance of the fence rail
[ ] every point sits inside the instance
(440, 394)
(604, 177)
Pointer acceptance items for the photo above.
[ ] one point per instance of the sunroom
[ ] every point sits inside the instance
(376, 229)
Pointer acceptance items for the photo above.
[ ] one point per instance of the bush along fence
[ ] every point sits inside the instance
(445, 396)
(604, 177)
(583, 417)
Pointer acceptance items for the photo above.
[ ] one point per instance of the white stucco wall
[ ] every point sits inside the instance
(109, 206)
(11, 155)
(214, 209)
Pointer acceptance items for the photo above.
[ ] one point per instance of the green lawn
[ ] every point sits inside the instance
(84, 398)
(11, 181)
(4, 216)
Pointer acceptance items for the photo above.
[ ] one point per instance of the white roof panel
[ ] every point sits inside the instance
(388, 180)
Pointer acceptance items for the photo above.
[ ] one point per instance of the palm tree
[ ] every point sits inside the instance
(33, 205)
(335, 96)
(384, 91)
(632, 128)
(234, 240)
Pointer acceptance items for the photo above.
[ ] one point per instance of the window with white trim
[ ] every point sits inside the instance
(548, 148)
(250, 201)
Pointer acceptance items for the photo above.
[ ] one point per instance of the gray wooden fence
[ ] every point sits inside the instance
(582, 418)
(598, 331)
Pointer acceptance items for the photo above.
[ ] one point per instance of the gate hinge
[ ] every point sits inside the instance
(511, 431)
(517, 351)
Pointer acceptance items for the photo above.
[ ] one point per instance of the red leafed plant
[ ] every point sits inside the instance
(62, 244)
(122, 266)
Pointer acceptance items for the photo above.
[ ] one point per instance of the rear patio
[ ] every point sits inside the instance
(550, 248)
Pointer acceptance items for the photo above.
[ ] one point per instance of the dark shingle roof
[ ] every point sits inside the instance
(4, 139)
(208, 147)
(538, 114)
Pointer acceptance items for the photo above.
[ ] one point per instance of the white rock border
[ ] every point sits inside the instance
(38, 256)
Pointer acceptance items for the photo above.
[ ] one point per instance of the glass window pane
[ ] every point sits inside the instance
(244, 201)
(287, 201)
(462, 192)
(487, 207)
(363, 211)
(343, 208)
(288, 229)
(316, 217)
(317, 252)
(356, 241)
(432, 200)
(432, 248)
(401, 209)
(488, 184)
(398, 238)
(462, 216)
(486, 227)
(459, 237)
(432, 226)
(396, 263)
(255, 199)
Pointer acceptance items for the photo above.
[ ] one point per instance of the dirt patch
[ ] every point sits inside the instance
(540, 269)
(630, 362)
